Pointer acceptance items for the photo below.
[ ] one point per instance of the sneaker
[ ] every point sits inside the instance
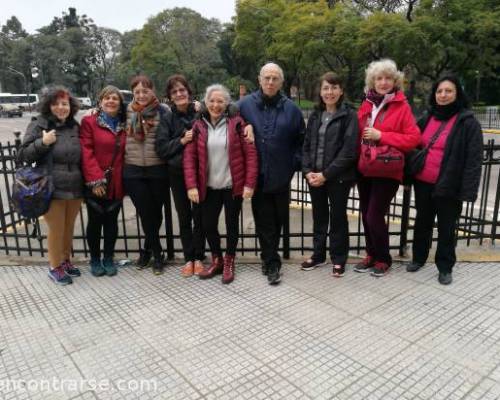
(59, 276)
(198, 267)
(109, 266)
(70, 269)
(413, 266)
(311, 264)
(445, 278)
(96, 267)
(264, 268)
(144, 259)
(365, 265)
(338, 270)
(273, 275)
(188, 269)
(158, 265)
(380, 269)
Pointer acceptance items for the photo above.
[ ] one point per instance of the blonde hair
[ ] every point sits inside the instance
(385, 67)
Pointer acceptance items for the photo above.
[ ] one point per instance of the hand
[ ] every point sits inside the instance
(99, 191)
(309, 176)
(49, 137)
(318, 179)
(247, 193)
(193, 195)
(248, 134)
(188, 137)
(197, 106)
(372, 134)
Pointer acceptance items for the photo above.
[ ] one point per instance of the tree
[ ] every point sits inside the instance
(180, 40)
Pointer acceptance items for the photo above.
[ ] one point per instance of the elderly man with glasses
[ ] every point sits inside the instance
(278, 127)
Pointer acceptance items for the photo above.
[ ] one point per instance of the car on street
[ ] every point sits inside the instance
(10, 110)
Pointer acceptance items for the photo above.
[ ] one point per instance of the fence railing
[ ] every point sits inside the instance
(479, 221)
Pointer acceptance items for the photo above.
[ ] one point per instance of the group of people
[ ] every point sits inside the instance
(214, 154)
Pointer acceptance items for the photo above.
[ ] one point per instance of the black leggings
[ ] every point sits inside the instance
(149, 197)
(189, 215)
(211, 208)
(102, 216)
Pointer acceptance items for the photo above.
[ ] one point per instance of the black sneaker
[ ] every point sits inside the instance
(144, 259)
(413, 266)
(338, 270)
(365, 265)
(265, 270)
(158, 265)
(311, 264)
(445, 278)
(273, 275)
(59, 276)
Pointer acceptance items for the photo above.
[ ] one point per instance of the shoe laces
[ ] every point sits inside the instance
(60, 271)
(381, 266)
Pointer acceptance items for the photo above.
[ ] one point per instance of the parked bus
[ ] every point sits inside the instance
(20, 100)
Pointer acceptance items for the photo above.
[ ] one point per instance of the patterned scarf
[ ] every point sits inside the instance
(142, 119)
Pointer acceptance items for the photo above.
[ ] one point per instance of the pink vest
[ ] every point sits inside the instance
(430, 172)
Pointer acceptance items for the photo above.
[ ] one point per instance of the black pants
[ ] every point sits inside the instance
(149, 197)
(102, 218)
(447, 211)
(329, 205)
(189, 215)
(270, 211)
(211, 208)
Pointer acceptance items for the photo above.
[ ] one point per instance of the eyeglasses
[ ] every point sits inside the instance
(178, 91)
(271, 78)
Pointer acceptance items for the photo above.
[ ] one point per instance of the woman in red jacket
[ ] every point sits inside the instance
(385, 119)
(103, 146)
(220, 168)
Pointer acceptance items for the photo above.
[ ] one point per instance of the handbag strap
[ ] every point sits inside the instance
(115, 150)
(436, 135)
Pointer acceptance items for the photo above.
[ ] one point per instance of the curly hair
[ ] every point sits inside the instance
(49, 96)
(386, 67)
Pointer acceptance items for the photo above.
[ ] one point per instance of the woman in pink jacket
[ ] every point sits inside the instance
(220, 169)
(385, 118)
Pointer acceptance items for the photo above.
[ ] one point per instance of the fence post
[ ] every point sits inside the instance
(286, 230)
(405, 221)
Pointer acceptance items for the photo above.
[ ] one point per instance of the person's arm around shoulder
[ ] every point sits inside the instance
(471, 177)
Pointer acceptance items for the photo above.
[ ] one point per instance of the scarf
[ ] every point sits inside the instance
(374, 97)
(107, 121)
(142, 119)
(270, 101)
(443, 113)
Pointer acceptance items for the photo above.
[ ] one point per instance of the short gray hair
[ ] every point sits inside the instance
(276, 67)
(385, 67)
(217, 88)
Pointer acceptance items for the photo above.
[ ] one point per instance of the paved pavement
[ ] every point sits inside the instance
(138, 336)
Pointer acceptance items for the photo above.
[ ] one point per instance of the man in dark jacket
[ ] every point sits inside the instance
(278, 126)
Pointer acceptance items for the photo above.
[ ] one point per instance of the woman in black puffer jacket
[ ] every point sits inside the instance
(330, 153)
(54, 136)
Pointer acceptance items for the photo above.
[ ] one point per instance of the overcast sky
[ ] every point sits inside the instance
(123, 15)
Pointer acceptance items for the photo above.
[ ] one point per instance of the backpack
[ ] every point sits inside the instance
(32, 190)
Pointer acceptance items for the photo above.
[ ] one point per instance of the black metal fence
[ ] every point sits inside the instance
(478, 223)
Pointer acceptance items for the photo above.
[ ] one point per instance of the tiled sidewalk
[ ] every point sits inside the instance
(138, 336)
